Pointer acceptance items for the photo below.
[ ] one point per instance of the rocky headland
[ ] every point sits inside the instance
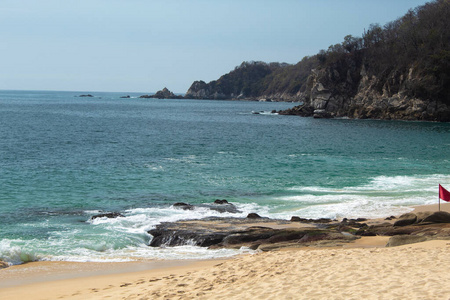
(399, 71)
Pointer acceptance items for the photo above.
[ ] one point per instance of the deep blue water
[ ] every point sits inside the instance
(64, 158)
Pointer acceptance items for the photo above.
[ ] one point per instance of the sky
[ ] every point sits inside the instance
(146, 45)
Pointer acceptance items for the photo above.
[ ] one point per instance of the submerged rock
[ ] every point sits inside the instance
(221, 206)
(182, 205)
(107, 215)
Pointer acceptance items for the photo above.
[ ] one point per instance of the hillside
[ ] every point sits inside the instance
(397, 71)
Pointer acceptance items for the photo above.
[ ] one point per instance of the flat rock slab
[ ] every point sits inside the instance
(238, 232)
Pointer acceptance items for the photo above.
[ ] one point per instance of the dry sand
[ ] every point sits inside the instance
(366, 270)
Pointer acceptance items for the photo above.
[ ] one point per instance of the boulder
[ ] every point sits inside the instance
(3, 265)
(218, 201)
(253, 216)
(184, 206)
(437, 217)
(406, 219)
(422, 215)
(398, 240)
(110, 215)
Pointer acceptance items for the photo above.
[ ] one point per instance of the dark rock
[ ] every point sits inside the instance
(3, 265)
(182, 205)
(321, 220)
(437, 217)
(218, 201)
(296, 219)
(399, 240)
(126, 97)
(107, 215)
(87, 95)
(253, 216)
(185, 237)
(406, 219)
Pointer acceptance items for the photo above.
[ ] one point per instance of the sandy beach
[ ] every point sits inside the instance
(364, 268)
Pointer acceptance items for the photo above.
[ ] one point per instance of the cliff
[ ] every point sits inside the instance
(346, 89)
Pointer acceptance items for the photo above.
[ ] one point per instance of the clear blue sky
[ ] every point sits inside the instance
(145, 45)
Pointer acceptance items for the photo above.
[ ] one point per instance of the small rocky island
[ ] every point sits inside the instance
(165, 93)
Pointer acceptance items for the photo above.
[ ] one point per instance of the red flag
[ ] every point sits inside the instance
(444, 194)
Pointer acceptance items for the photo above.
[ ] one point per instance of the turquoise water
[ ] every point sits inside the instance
(65, 158)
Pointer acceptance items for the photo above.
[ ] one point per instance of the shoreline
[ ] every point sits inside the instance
(71, 280)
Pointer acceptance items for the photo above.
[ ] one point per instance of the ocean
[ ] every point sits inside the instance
(65, 158)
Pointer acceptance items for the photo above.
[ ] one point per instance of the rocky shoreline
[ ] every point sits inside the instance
(256, 232)
(268, 234)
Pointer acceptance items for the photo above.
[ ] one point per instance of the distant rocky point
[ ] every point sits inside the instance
(165, 93)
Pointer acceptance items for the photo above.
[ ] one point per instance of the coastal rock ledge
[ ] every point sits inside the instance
(269, 234)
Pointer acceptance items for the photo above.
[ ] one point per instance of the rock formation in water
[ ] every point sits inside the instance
(165, 93)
